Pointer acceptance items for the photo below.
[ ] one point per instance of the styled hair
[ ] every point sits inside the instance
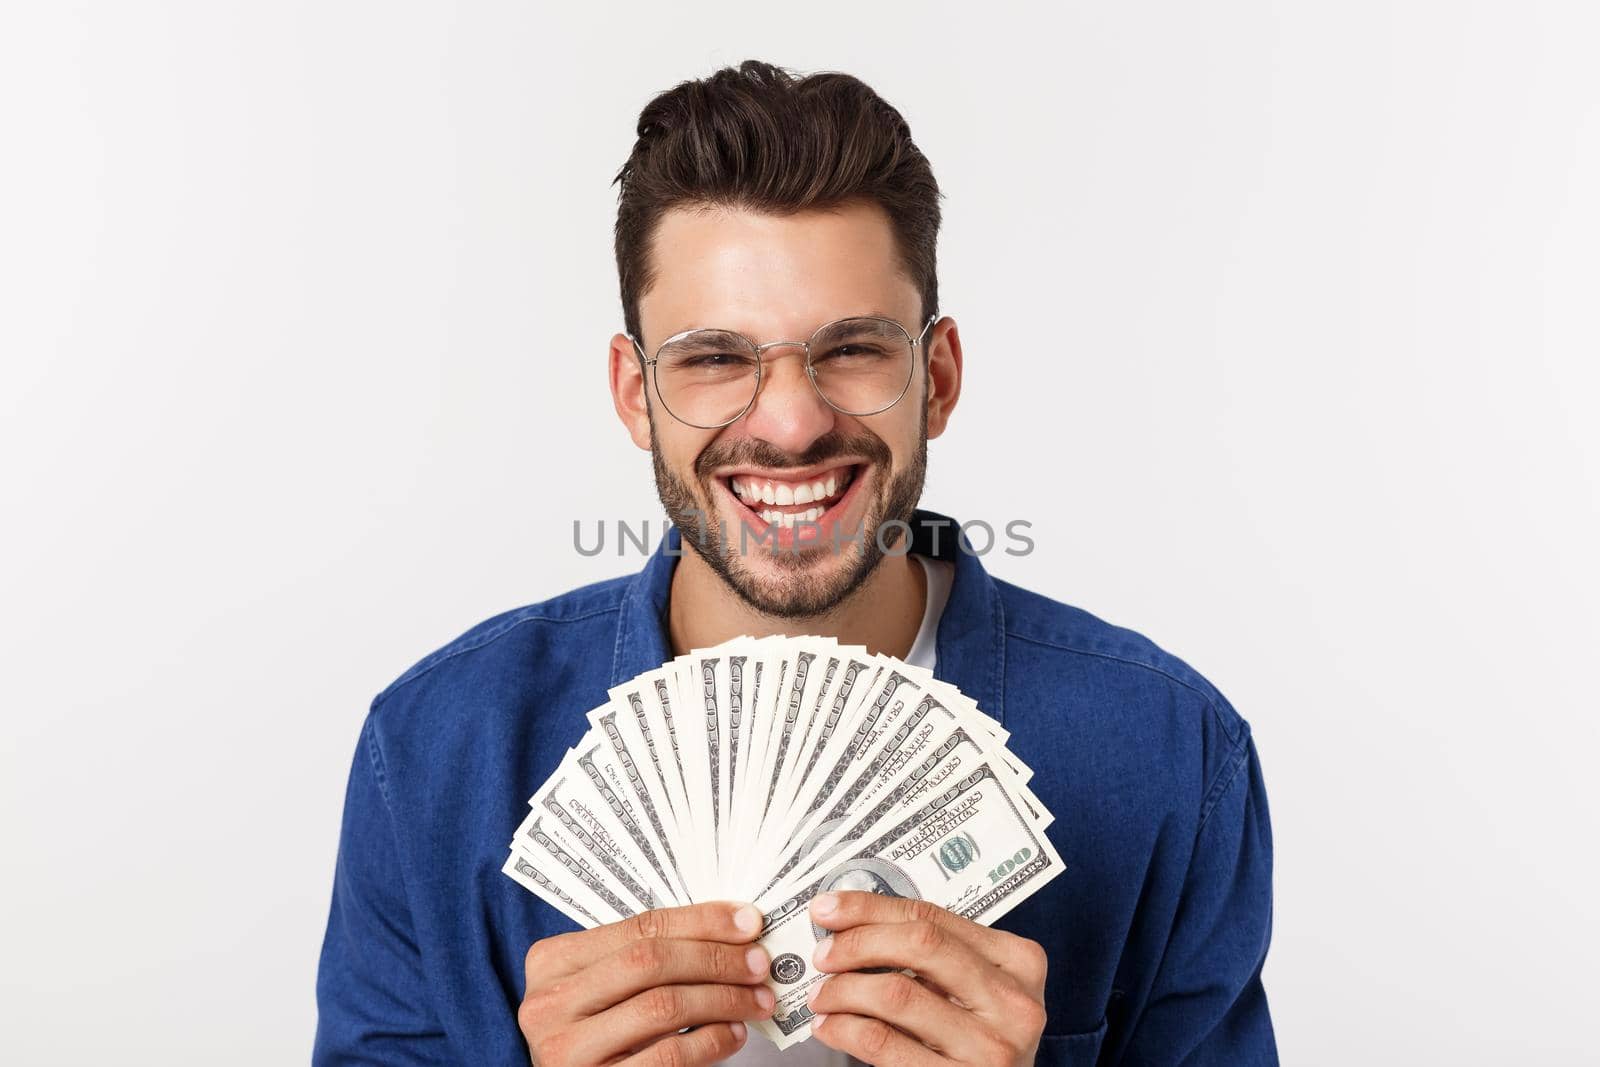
(759, 138)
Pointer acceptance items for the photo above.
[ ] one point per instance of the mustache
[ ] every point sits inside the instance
(758, 453)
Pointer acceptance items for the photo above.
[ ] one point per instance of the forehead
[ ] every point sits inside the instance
(773, 275)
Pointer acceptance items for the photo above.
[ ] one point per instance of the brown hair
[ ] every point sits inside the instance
(759, 138)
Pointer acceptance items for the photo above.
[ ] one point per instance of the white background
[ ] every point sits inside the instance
(1280, 325)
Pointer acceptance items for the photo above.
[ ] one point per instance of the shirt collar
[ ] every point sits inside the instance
(971, 643)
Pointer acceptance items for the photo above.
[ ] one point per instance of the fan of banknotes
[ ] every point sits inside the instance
(773, 769)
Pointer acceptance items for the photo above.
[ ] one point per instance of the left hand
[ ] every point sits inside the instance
(978, 996)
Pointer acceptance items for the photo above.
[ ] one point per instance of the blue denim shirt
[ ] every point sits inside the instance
(1156, 929)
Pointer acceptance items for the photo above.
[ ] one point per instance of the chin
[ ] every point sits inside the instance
(796, 582)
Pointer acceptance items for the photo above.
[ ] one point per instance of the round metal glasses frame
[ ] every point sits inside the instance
(811, 371)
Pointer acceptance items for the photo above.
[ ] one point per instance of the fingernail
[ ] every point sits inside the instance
(748, 919)
(765, 998)
(824, 947)
(816, 1021)
(756, 960)
(824, 905)
(738, 1031)
(816, 991)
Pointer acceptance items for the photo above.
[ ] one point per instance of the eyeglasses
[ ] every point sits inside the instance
(859, 366)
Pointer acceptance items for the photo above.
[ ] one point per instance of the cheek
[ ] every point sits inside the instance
(902, 436)
(679, 452)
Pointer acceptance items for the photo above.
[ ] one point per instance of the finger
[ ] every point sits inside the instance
(702, 1045)
(841, 909)
(1023, 959)
(872, 1041)
(926, 948)
(719, 920)
(653, 962)
(660, 1011)
(908, 1005)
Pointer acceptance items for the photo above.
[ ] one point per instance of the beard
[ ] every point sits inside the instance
(799, 588)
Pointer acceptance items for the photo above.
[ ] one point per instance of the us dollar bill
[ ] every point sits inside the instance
(786, 726)
(815, 746)
(969, 849)
(904, 731)
(522, 870)
(649, 801)
(735, 718)
(589, 839)
(559, 865)
(634, 700)
(606, 781)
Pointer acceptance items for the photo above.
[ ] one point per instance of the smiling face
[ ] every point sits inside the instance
(785, 502)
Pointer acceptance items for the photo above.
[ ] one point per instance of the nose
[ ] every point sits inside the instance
(788, 412)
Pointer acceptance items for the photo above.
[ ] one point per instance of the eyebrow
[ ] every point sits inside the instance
(814, 329)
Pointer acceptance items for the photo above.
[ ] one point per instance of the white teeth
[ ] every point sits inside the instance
(755, 493)
(790, 519)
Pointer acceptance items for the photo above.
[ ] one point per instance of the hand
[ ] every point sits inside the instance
(978, 996)
(621, 993)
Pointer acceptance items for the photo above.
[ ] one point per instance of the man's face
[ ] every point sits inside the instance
(779, 278)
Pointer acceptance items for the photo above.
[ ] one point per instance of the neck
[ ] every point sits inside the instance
(883, 613)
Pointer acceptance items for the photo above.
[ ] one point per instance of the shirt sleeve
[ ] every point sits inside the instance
(373, 1003)
(1207, 1005)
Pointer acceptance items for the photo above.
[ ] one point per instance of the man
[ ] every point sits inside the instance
(768, 208)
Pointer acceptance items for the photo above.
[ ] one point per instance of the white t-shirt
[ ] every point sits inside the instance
(757, 1050)
(941, 576)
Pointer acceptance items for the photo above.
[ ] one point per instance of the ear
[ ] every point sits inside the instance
(628, 382)
(944, 374)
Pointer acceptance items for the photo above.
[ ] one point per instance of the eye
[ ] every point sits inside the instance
(851, 352)
(716, 360)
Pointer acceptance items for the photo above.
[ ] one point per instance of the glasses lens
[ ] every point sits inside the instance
(707, 377)
(862, 365)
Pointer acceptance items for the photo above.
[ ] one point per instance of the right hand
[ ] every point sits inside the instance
(620, 993)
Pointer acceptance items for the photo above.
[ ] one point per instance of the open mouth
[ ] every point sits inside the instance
(786, 502)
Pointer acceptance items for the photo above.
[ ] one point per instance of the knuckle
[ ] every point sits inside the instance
(921, 911)
(538, 957)
(732, 1001)
(900, 992)
(1032, 1014)
(874, 1038)
(729, 961)
(997, 1049)
(722, 1041)
(847, 945)
(1035, 962)
(925, 936)
(549, 1049)
(671, 1053)
(661, 1005)
(649, 924)
(644, 957)
(528, 1019)
(531, 1012)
